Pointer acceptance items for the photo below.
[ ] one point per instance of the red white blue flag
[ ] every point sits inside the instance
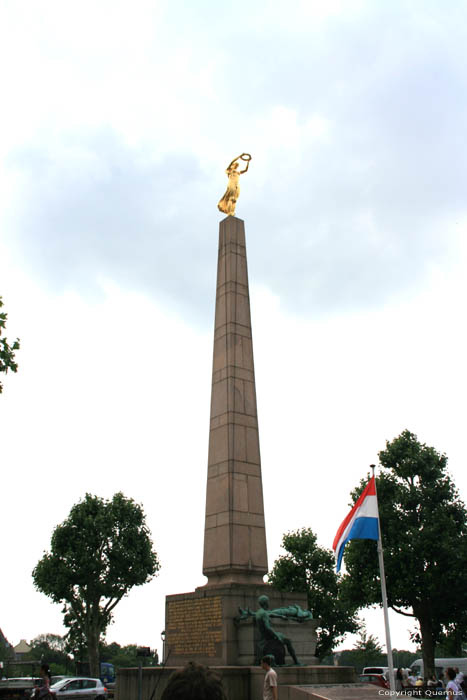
(360, 524)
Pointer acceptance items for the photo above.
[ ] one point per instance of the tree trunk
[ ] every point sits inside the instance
(428, 647)
(93, 651)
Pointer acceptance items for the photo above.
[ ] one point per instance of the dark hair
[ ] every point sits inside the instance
(194, 682)
(268, 659)
(451, 673)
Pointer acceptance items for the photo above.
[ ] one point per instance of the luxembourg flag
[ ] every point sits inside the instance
(360, 524)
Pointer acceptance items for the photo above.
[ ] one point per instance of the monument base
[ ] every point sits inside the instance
(201, 626)
(240, 682)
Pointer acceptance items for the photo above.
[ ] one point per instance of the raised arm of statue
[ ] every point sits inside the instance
(245, 157)
(294, 612)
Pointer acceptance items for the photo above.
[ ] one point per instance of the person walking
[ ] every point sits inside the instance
(460, 679)
(270, 679)
(43, 691)
(453, 689)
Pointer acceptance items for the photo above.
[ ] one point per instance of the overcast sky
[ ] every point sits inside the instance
(118, 121)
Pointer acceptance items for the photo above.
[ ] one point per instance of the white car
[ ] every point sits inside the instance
(75, 688)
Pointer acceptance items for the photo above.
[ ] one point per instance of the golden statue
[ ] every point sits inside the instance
(229, 200)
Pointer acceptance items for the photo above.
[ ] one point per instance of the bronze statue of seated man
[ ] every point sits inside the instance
(270, 641)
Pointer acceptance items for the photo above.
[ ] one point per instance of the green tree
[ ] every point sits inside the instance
(367, 651)
(125, 656)
(424, 528)
(108, 651)
(96, 556)
(403, 658)
(452, 642)
(308, 568)
(75, 639)
(7, 352)
(50, 648)
(54, 642)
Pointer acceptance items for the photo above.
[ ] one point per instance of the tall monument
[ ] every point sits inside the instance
(206, 625)
(234, 534)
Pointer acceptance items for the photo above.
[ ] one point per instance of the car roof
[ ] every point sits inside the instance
(64, 679)
(373, 674)
(79, 678)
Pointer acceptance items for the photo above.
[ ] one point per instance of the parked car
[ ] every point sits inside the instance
(376, 669)
(74, 688)
(375, 679)
(55, 679)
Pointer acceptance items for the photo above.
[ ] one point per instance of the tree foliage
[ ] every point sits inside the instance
(452, 642)
(96, 556)
(7, 351)
(306, 567)
(124, 656)
(50, 648)
(367, 651)
(424, 528)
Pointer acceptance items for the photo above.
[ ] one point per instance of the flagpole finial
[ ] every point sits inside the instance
(373, 467)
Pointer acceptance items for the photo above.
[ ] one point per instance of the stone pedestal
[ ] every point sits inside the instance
(201, 625)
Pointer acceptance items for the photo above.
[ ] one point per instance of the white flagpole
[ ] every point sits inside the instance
(392, 684)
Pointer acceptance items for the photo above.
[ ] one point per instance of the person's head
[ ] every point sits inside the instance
(263, 602)
(456, 669)
(194, 682)
(267, 661)
(450, 673)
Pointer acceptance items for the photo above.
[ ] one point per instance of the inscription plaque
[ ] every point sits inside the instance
(194, 626)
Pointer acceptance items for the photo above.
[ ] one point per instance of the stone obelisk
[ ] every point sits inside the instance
(234, 536)
(204, 624)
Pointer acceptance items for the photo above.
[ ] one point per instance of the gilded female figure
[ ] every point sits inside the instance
(229, 200)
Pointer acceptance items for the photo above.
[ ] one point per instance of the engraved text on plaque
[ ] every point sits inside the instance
(195, 626)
